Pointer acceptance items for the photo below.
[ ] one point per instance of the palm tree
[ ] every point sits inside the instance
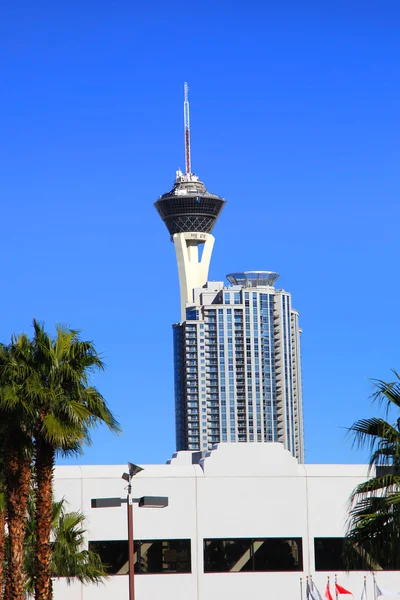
(47, 406)
(67, 408)
(68, 559)
(2, 516)
(374, 518)
(17, 417)
(2, 538)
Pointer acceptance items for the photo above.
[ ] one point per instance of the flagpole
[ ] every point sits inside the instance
(301, 588)
(373, 576)
(336, 593)
(365, 587)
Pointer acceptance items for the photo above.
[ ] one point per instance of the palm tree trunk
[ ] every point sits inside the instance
(2, 542)
(44, 511)
(18, 482)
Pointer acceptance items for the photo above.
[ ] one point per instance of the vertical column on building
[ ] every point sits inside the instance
(289, 405)
(239, 366)
(247, 352)
(210, 434)
(180, 367)
(267, 361)
(297, 386)
(257, 368)
(231, 381)
(192, 385)
(279, 395)
(221, 374)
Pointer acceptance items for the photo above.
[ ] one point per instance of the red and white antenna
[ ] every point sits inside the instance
(187, 129)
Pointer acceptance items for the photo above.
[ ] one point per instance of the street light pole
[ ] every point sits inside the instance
(145, 502)
(132, 471)
(131, 552)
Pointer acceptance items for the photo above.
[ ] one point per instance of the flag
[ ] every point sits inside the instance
(315, 595)
(380, 592)
(364, 592)
(328, 594)
(311, 591)
(341, 590)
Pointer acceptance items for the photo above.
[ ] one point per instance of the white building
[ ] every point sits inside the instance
(248, 521)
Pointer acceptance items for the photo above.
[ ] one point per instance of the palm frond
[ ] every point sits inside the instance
(387, 393)
(376, 486)
(374, 433)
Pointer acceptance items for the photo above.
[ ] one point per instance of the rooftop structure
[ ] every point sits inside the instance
(253, 279)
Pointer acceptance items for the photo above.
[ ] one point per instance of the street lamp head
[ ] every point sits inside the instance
(105, 502)
(134, 469)
(153, 501)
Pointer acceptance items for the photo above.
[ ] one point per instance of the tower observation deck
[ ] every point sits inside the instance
(189, 207)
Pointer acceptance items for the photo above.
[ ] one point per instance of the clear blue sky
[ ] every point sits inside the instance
(295, 121)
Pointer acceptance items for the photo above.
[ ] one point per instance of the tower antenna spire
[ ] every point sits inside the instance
(187, 129)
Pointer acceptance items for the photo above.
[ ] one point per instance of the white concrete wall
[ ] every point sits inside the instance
(239, 490)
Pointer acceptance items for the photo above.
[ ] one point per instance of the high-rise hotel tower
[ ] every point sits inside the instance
(237, 347)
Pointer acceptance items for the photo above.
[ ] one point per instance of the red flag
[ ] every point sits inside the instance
(328, 594)
(341, 590)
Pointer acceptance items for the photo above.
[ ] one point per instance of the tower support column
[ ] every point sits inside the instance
(192, 269)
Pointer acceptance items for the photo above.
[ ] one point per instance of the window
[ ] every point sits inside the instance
(151, 556)
(329, 556)
(223, 556)
(192, 314)
(245, 554)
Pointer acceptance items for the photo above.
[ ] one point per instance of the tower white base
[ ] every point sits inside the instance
(193, 273)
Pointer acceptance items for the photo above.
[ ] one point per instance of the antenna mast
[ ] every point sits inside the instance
(187, 129)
